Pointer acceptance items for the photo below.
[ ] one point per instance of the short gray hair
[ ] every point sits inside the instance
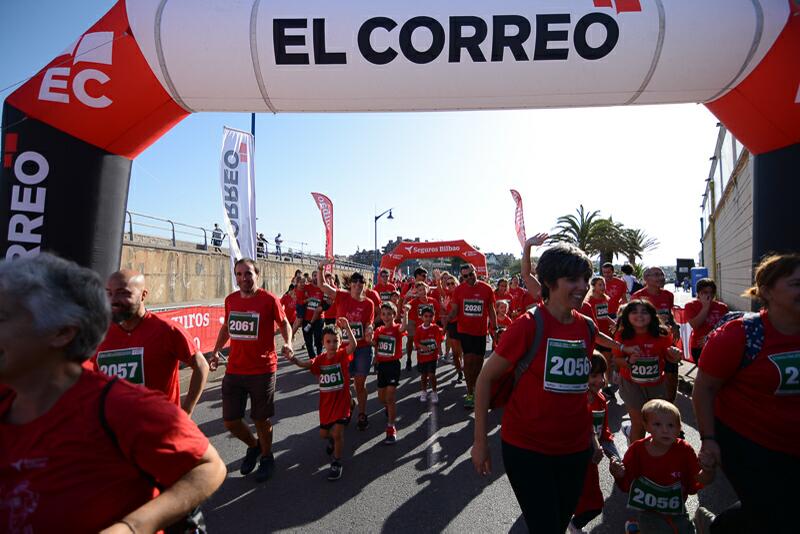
(59, 293)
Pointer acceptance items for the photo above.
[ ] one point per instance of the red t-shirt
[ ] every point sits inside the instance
(761, 401)
(647, 369)
(473, 304)
(715, 312)
(663, 301)
(62, 473)
(503, 322)
(385, 291)
(288, 302)
(616, 289)
(373, 295)
(502, 295)
(448, 304)
(149, 355)
(300, 294)
(678, 466)
(418, 305)
(333, 375)
(599, 408)
(330, 313)
(598, 308)
(389, 343)
(547, 411)
(427, 341)
(314, 297)
(251, 326)
(359, 313)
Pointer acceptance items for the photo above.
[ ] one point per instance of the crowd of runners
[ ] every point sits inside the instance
(94, 435)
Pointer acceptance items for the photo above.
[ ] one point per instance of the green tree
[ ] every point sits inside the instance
(576, 229)
(606, 239)
(636, 243)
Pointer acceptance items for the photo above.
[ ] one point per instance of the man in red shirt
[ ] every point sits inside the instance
(703, 313)
(250, 316)
(384, 287)
(474, 307)
(616, 289)
(145, 349)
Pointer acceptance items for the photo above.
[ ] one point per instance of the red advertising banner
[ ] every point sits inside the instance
(202, 323)
(438, 249)
(519, 218)
(326, 210)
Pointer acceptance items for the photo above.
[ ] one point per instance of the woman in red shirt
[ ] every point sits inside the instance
(547, 433)
(747, 403)
(87, 452)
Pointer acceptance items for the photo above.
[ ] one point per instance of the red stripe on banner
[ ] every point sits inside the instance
(603, 3)
(202, 323)
(628, 5)
(11, 142)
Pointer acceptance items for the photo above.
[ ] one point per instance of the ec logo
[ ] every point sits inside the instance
(92, 48)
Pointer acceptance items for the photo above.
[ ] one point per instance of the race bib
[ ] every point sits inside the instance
(386, 346)
(124, 363)
(313, 303)
(788, 365)
(473, 308)
(566, 366)
(598, 421)
(601, 310)
(646, 370)
(427, 346)
(386, 296)
(243, 326)
(358, 330)
(648, 496)
(331, 378)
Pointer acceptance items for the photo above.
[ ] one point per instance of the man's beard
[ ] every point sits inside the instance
(123, 315)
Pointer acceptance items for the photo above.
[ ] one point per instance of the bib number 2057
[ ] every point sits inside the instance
(127, 364)
(566, 366)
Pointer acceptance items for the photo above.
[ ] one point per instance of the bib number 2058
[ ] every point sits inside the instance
(566, 366)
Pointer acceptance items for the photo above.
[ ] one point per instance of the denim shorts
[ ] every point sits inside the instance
(362, 361)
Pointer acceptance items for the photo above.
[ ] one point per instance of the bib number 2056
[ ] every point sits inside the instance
(648, 496)
(566, 366)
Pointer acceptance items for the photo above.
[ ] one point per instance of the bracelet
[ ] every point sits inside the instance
(133, 530)
(710, 437)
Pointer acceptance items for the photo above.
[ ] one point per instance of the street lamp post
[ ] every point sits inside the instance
(375, 261)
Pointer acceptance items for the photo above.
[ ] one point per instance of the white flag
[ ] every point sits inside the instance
(238, 182)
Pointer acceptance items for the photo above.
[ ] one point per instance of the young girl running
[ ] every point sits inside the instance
(428, 343)
(331, 368)
(388, 342)
(643, 375)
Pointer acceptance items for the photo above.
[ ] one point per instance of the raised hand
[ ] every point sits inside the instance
(537, 240)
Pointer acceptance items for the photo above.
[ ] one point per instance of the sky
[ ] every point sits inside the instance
(446, 175)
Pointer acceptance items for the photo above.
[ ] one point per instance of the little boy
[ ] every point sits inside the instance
(660, 471)
(331, 368)
(388, 342)
(591, 502)
(428, 342)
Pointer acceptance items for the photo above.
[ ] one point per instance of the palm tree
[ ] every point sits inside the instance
(636, 243)
(576, 229)
(607, 239)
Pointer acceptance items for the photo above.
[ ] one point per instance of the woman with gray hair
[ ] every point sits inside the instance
(80, 450)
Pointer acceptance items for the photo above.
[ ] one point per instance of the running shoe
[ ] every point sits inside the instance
(459, 377)
(572, 529)
(632, 527)
(363, 423)
(434, 398)
(469, 402)
(250, 459)
(266, 466)
(423, 397)
(702, 520)
(391, 436)
(335, 472)
(329, 447)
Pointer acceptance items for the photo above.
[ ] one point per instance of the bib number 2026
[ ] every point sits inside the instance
(566, 366)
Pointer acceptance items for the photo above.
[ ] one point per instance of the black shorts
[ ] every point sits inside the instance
(388, 373)
(473, 344)
(671, 368)
(237, 388)
(330, 320)
(452, 330)
(427, 367)
(344, 422)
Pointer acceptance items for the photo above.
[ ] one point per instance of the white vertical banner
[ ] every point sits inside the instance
(238, 183)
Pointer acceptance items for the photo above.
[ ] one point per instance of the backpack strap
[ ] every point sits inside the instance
(753, 338)
(526, 360)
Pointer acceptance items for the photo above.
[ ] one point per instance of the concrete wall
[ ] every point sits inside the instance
(181, 276)
(728, 243)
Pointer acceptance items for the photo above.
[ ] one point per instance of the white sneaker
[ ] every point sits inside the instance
(572, 529)
(702, 520)
(423, 397)
(434, 398)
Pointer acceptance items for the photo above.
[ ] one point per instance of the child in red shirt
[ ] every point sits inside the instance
(660, 471)
(591, 502)
(503, 320)
(428, 342)
(331, 368)
(388, 342)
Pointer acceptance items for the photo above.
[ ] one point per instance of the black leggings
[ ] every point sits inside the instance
(313, 338)
(767, 483)
(547, 487)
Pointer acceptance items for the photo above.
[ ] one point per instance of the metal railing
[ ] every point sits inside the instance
(172, 231)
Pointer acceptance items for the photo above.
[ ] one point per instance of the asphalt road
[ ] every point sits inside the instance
(424, 483)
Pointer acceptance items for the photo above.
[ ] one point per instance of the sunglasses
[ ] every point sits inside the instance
(356, 281)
